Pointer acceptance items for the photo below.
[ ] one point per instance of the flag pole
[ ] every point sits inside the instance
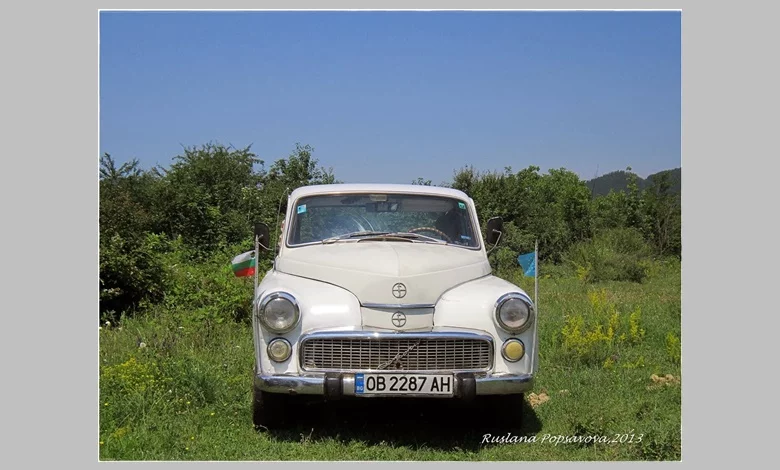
(257, 263)
(535, 354)
(536, 274)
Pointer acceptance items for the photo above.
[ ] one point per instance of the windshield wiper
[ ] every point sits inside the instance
(347, 236)
(417, 236)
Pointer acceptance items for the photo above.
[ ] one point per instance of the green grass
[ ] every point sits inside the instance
(186, 395)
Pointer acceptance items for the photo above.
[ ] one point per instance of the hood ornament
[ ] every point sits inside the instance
(399, 290)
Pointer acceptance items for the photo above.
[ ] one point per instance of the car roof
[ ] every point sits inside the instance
(377, 188)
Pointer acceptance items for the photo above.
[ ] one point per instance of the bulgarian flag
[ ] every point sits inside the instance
(244, 264)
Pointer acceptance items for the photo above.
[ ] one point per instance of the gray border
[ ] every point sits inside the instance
(54, 55)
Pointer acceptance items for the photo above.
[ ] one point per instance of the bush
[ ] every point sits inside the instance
(130, 376)
(618, 254)
(597, 337)
(132, 273)
(554, 271)
(208, 291)
(160, 271)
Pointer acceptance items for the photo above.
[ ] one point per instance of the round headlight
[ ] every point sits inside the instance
(513, 350)
(279, 312)
(279, 349)
(514, 313)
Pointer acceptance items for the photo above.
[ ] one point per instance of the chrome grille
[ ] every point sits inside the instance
(398, 353)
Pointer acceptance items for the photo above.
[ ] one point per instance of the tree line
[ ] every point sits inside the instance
(201, 210)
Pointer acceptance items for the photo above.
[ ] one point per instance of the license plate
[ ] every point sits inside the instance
(404, 384)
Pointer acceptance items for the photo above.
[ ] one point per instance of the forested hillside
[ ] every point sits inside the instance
(619, 180)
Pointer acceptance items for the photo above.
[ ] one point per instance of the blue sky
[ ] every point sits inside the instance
(391, 96)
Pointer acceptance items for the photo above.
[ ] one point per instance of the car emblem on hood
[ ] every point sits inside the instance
(399, 319)
(399, 290)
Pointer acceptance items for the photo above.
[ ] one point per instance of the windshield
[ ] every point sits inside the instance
(355, 217)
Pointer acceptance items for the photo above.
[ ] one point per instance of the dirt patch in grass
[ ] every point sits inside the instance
(660, 381)
(536, 400)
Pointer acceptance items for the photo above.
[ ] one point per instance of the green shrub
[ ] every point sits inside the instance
(505, 261)
(208, 291)
(597, 336)
(160, 271)
(618, 254)
(554, 271)
(635, 332)
(130, 376)
(132, 273)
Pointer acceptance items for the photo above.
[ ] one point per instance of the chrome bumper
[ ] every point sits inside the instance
(343, 384)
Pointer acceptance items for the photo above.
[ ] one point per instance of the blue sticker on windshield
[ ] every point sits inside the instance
(302, 208)
(461, 205)
(465, 237)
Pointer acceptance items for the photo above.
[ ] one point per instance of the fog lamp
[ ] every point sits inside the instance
(513, 350)
(279, 349)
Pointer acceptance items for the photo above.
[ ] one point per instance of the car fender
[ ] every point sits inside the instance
(472, 305)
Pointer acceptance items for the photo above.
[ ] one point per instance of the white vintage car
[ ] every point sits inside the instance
(385, 290)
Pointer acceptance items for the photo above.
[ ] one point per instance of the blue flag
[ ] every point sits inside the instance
(528, 263)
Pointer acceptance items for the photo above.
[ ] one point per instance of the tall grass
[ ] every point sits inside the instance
(175, 386)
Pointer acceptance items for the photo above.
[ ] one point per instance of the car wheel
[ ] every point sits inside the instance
(271, 410)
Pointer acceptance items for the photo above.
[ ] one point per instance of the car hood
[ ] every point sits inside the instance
(371, 269)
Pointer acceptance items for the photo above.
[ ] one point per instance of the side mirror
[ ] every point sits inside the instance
(494, 227)
(263, 234)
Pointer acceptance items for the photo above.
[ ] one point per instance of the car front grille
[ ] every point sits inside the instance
(406, 353)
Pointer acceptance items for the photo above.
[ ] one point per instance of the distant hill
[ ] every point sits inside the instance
(618, 181)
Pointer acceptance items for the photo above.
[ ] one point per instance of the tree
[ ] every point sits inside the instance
(210, 198)
(131, 271)
(663, 215)
(610, 211)
(465, 179)
(109, 172)
(553, 208)
(203, 197)
(635, 208)
(126, 199)
(300, 169)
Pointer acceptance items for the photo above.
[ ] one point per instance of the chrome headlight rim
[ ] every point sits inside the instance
(506, 344)
(279, 295)
(278, 340)
(509, 296)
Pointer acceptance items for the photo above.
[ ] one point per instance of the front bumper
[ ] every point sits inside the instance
(336, 385)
